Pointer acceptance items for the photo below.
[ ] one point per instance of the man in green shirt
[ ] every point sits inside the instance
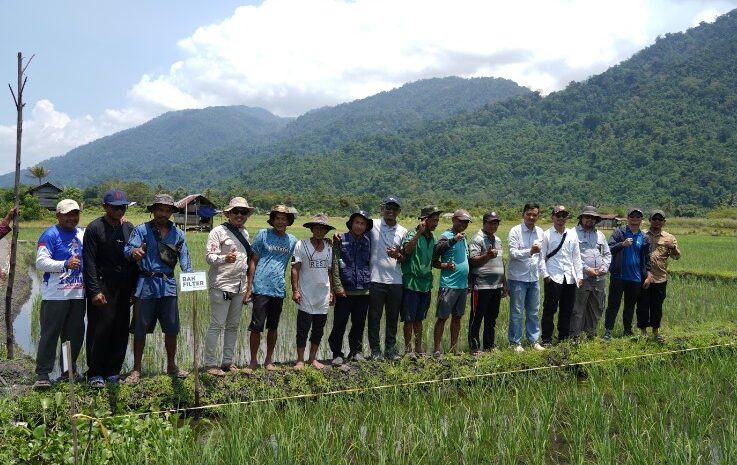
(417, 248)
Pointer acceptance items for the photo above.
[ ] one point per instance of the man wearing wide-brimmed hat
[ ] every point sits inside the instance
(630, 269)
(59, 257)
(351, 280)
(157, 246)
(595, 258)
(417, 248)
(312, 287)
(227, 253)
(109, 279)
(272, 249)
(560, 267)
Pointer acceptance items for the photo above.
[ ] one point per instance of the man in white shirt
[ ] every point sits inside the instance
(560, 265)
(523, 275)
(385, 289)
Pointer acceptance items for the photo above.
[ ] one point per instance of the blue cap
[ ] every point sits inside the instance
(365, 215)
(391, 199)
(115, 197)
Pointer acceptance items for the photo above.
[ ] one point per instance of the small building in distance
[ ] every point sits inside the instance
(195, 211)
(610, 221)
(47, 195)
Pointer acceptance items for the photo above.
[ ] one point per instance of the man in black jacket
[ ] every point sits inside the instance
(630, 271)
(109, 279)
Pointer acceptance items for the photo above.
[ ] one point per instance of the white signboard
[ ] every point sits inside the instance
(65, 351)
(196, 281)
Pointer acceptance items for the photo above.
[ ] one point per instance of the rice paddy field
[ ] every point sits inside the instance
(639, 402)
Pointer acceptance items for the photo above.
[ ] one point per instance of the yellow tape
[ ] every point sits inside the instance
(407, 384)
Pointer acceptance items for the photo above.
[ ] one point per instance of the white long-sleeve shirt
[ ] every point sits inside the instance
(523, 266)
(566, 263)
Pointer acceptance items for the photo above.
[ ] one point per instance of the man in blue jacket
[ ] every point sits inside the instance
(351, 279)
(157, 246)
(630, 271)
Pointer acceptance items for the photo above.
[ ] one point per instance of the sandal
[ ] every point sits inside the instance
(133, 378)
(232, 368)
(97, 382)
(178, 373)
(215, 371)
(42, 384)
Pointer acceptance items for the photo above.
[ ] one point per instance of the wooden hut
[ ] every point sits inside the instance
(47, 195)
(195, 211)
(610, 221)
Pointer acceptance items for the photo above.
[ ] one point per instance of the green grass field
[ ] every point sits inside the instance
(671, 409)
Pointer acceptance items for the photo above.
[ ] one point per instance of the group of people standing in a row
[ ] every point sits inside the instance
(375, 269)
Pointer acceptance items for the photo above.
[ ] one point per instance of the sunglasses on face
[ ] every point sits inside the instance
(393, 208)
(239, 211)
(118, 207)
(635, 215)
(561, 215)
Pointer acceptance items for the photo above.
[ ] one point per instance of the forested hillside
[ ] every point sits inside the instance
(201, 148)
(657, 129)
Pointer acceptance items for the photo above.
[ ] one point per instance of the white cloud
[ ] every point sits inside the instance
(290, 56)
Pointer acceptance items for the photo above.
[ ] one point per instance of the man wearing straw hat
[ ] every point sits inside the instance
(272, 249)
(595, 258)
(312, 288)
(157, 246)
(228, 252)
(59, 256)
(417, 248)
(109, 279)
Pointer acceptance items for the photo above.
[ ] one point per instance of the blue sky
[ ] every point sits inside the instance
(104, 66)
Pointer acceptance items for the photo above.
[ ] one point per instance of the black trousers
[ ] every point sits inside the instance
(557, 296)
(650, 306)
(304, 322)
(107, 331)
(384, 295)
(631, 291)
(354, 307)
(484, 308)
(61, 320)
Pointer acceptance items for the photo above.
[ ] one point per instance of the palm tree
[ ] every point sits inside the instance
(39, 172)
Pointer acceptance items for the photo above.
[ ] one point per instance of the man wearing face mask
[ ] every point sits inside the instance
(109, 280)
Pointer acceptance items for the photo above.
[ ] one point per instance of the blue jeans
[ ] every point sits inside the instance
(527, 295)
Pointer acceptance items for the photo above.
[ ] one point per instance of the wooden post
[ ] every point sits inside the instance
(196, 350)
(69, 366)
(10, 341)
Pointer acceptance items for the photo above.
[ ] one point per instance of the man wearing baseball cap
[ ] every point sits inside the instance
(385, 290)
(417, 249)
(488, 281)
(561, 271)
(595, 257)
(663, 245)
(451, 256)
(228, 253)
(630, 269)
(157, 246)
(109, 280)
(59, 257)
(272, 250)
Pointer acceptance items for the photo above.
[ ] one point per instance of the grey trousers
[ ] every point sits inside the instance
(226, 315)
(61, 321)
(589, 307)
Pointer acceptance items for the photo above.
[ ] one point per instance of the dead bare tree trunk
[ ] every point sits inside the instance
(14, 241)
